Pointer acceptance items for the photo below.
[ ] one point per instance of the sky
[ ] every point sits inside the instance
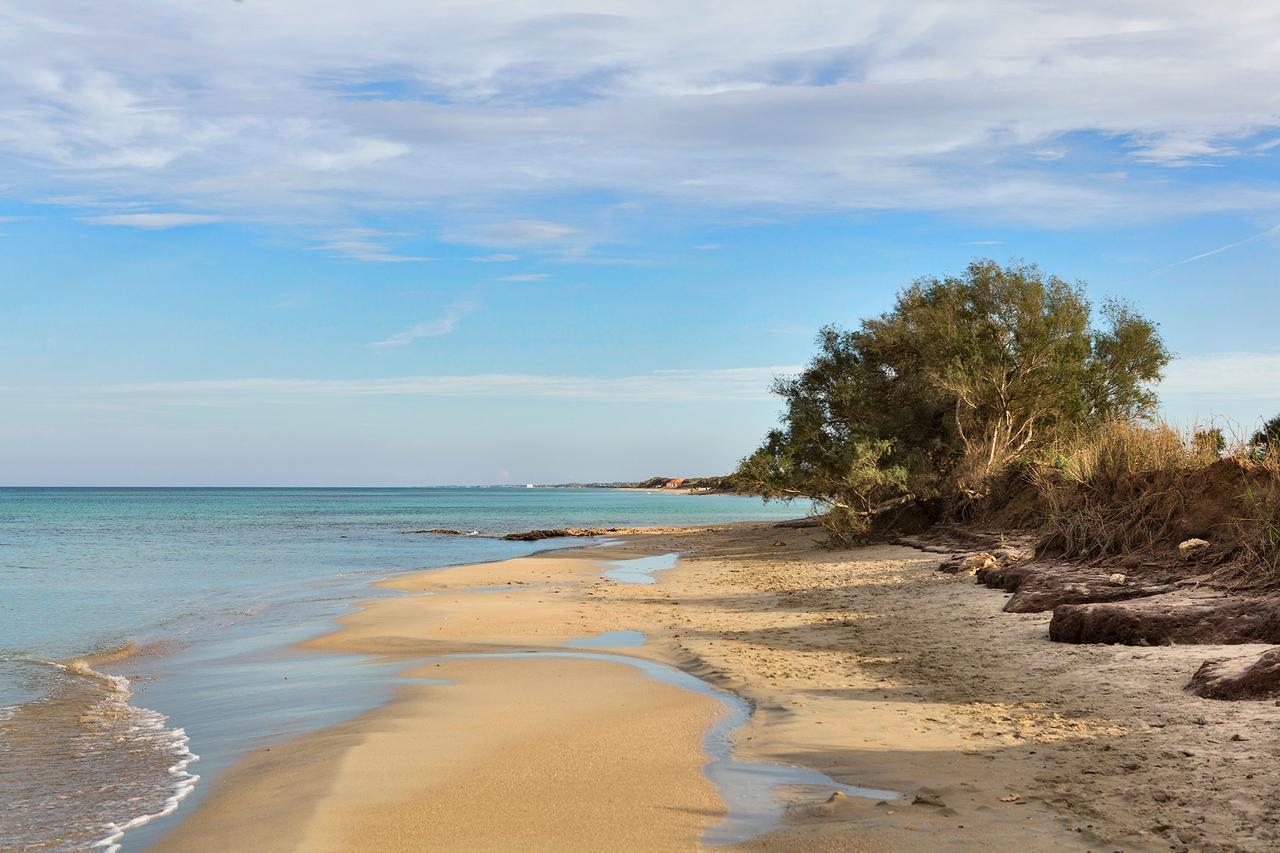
(399, 243)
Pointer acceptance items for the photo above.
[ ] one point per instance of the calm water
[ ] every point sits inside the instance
(213, 586)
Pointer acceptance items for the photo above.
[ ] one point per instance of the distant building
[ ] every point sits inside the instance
(673, 484)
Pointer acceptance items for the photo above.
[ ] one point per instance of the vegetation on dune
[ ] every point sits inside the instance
(964, 378)
(1002, 394)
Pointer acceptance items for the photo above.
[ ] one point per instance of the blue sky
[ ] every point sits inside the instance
(251, 243)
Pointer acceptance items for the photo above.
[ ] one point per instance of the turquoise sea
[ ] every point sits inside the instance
(146, 634)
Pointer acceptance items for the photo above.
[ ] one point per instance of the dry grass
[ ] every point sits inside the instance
(1115, 491)
(1256, 527)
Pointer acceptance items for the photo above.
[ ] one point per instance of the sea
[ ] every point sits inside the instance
(148, 636)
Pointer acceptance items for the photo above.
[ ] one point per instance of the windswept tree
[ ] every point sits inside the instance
(963, 377)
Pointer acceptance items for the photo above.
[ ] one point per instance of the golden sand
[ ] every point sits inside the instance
(866, 664)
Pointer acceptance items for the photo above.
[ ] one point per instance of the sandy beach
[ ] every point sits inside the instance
(865, 664)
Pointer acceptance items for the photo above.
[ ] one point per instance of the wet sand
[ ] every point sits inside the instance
(865, 664)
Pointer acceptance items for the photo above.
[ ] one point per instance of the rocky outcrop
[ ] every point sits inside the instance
(1044, 585)
(559, 533)
(1248, 677)
(1047, 591)
(1186, 617)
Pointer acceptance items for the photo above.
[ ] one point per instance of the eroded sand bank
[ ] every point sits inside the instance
(866, 664)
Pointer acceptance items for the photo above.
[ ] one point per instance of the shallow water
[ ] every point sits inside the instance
(609, 640)
(214, 585)
(640, 569)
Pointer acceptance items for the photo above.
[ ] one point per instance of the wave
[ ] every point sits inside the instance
(138, 734)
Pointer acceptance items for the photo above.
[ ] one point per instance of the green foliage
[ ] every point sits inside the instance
(1267, 438)
(963, 377)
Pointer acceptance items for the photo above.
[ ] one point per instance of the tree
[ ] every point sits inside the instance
(1267, 438)
(1209, 443)
(963, 377)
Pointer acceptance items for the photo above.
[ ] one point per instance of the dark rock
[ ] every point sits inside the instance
(1249, 677)
(1187, 617)
(1042, 586)
(1007, 578)
(559, 533)
(1039, 593)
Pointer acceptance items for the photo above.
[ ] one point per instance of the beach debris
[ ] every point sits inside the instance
(969, 564)
(1010, 798)
(1118, 579)
(836, 796)
(1192, 548)
(928, 797)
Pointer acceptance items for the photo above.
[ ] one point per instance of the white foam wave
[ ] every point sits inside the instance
(145, 724)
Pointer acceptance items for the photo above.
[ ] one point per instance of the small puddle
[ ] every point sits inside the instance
(609, 640)
(749, 788)
(640, 569)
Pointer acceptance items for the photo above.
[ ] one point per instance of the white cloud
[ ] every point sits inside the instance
(529, 276)
(1228, 376)
(745, 383)
(515, 232)
(442, 325)
(154, 221)
(366, 244)
(364, 152)
(297, 111)
(500, 258)
(707, 247)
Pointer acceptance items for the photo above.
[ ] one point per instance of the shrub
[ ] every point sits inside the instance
(964, 377)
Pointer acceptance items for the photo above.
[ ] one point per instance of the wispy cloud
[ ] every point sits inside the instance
(707, 247)
(500, 258)
(1270, 232)
(273, 115)
(155, 221)
(744, 383)
(1226, 375)
(528, 276)
(367, 244)
(514, 232)
(442, 325)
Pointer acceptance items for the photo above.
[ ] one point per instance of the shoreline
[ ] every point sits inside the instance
(866, 665)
